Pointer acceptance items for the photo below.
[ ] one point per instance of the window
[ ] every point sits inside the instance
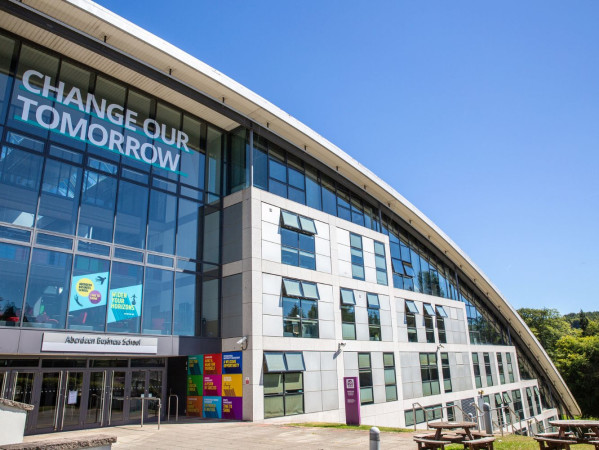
(500, 368)
(47, 289)
(14, 260)
(441, 315)
(433, 412)
(283, 384)
(298, 223)
(518, 407)
(374, 317)
(357, 256)
(429, 324)
(348, 314)
(365, 373)
(488, 373)
(411, 311)
(450, 406)
(446, 372)
(538, 399)
(510, 367)
(390, 381)
(530, 401)
(298, 249)
(300, 308)
(506, 401)
(430, 374)
(500, 412)
(476, 368)
(380, 261)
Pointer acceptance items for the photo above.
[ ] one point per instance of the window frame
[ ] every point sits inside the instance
(365, 372)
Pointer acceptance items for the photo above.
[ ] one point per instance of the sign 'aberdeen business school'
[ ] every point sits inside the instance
(112, 127)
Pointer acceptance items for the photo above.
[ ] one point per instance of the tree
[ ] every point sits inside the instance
(584, 322)
(547, 325)
(577, 359)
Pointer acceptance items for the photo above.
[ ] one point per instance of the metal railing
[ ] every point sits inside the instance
(143, 399)
(426, 410)
(168, 419)
(504, 422)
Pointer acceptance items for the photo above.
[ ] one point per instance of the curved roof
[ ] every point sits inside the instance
(91, 22)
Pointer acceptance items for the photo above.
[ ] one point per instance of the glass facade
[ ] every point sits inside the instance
(109, 202)
(110, 221)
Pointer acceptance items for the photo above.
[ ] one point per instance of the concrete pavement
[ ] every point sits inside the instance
(194, 434)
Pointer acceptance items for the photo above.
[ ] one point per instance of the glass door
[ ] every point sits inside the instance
(48, 401)
(116, 404)
(94, 415)
(18, 386)
(72, 396)
(154, 390)
(3, 384)
(138, 389)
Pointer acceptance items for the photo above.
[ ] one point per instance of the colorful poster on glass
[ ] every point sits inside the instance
(232, 408)
(212, 407)
(212, 364)
(88, 291)
(232, 385)
(212, 385)
(125, 303)
(232, 362)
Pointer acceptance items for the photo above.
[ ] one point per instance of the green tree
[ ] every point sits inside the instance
(584, 322)
(548, 326)
(577, 359)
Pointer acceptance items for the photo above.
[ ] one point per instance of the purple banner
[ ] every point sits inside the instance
(232, 408)
(352, 400)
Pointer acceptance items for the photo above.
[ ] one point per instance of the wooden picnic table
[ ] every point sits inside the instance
(563, 426)
(440, 426)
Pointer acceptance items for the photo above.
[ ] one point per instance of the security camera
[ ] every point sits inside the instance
(243, 340)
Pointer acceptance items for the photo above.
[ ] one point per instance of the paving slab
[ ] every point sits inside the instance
(208, 434)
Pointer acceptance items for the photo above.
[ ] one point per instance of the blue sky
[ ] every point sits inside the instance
(485, 115)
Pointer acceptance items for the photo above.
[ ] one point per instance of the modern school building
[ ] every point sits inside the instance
(167, 233)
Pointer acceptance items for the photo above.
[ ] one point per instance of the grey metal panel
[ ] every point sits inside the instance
(232, 233)
(312, 402)
(9, 340)
(232, 323)
(330, 400)
(312, 361)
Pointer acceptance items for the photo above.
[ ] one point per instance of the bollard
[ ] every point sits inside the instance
(375, 439)
(487, 418)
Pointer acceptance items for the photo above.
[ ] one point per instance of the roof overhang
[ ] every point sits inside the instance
(169, 73)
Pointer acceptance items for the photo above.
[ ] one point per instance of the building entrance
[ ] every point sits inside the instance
(74, 398)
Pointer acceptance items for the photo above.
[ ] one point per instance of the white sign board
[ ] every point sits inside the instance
(98, 343)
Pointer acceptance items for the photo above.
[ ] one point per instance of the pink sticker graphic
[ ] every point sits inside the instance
(95, 297)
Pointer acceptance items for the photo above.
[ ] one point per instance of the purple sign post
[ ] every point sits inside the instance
(352, 400)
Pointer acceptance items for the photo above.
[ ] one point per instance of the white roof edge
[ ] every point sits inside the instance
(161, 45)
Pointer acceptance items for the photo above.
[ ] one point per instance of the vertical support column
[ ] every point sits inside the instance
(251, 158)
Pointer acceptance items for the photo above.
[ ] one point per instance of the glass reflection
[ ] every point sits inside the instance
(96, 216)
(20, 174)
(132, 210)
(47, 289)
(13, 267)
(158, 302)
(60, 197)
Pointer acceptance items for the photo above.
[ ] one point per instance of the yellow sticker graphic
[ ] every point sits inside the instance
(85, 286)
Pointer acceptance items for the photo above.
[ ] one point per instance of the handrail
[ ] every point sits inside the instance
(465, 414)
(176, 408)
(143, 399)
(480, 415)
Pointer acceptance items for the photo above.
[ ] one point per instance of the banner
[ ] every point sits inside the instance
(88, 291)
(125, 303)
(232, 362)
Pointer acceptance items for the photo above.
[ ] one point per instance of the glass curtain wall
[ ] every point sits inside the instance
(121, 190)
